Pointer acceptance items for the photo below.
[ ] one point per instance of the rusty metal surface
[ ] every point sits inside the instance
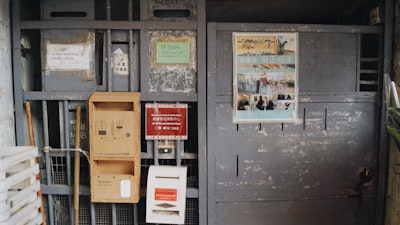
(173, 77)
(69, 67)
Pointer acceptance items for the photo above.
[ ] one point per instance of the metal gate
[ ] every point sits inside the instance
(108, 46)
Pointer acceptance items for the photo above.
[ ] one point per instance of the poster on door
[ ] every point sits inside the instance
(265, 77)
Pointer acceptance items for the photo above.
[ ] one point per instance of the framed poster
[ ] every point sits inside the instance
(265, 80)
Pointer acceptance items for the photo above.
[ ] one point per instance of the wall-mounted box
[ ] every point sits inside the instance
(115, 181)
(114, 128)
(166, 195)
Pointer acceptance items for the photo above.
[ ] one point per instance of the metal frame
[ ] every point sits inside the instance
(65, 100)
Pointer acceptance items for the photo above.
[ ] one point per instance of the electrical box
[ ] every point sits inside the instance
(114, 128)
(166, 195)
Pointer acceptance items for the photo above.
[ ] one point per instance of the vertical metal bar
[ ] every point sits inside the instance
(17, 71)
(130, 10)
(48, 160)
(144, 61)
(131, 59)
(92, 214)
(178, 152)
(114, 214)
(130, 46)
(135, 214)
(144, 10)
(202, 109)
(108, 9)
(68, 156)
(206, 159)
(61, 123)
(63, 139)
(155, 152)
(108, 47)
(109, 61)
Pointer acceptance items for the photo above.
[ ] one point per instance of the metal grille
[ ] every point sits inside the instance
(144, 170)
(61, 209)
(192, 211)
(142, 211)
(59, 170)
(84, 210)
(125, 214)
(103, 214)
(192, 173)
(85, 172)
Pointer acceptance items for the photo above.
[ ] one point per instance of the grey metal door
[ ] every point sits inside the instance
(320, 170)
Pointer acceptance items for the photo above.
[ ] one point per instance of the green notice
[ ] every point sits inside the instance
(177, 52)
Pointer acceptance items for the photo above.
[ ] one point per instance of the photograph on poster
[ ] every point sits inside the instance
(265, 84)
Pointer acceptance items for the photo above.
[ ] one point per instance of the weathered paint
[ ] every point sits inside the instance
(319, 157)
(7, 127)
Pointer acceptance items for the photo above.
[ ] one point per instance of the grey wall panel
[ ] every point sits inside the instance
(326, 212)
(328, 62)
(321, 158)
(224, 63)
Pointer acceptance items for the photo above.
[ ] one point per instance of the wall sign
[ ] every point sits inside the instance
(166, 121)
(67, 57)
(173, 61)
(120, 62)
(265, 84)
(177, 52)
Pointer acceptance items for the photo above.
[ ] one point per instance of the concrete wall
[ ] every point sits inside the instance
(7, 130)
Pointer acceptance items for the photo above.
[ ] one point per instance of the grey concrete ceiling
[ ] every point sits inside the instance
(291, 11)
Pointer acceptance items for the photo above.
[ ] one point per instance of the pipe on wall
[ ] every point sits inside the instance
(7, 131)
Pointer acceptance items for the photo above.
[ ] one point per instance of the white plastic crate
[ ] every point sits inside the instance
(19, 201)
(29, 214)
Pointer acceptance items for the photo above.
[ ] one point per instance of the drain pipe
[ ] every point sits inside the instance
(7, 131)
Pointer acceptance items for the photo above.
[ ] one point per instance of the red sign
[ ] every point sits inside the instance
(166, 121)
(165, 194)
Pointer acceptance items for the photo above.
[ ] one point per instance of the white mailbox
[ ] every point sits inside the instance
(166, 195)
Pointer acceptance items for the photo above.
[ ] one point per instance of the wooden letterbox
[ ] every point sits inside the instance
(114, 129)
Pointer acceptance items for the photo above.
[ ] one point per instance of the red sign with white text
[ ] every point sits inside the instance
(166, 121)
(165, 194)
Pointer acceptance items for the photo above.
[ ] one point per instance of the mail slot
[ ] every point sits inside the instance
(166, 195)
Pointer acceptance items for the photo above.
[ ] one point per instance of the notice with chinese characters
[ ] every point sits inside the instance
(166, 121)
